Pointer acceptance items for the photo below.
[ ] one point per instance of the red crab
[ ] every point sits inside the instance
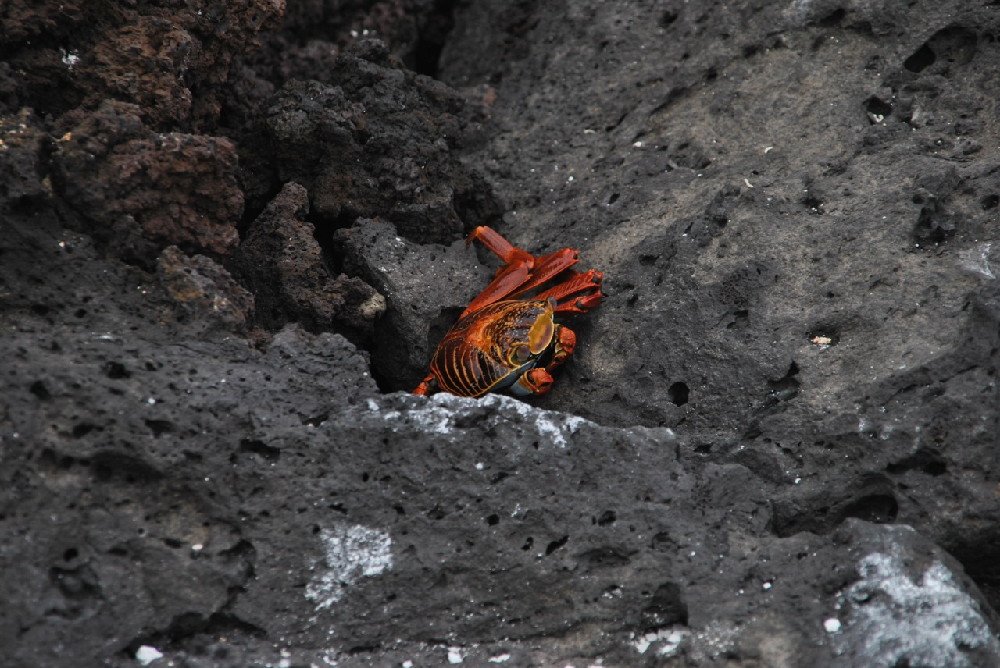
(505, 340)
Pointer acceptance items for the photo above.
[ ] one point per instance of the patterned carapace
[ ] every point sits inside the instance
(506, 340)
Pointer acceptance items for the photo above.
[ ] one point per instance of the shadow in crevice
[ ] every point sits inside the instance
(872, 501)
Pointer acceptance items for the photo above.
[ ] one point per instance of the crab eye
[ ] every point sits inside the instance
(520, 354)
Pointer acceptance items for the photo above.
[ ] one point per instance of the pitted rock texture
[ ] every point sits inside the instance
(380, 143)
(406, 336)
(227, 238)
(283, 263)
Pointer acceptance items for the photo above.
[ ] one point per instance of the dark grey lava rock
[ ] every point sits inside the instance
(408, 274)
(380, 143)
(284, 265)
(775, 445)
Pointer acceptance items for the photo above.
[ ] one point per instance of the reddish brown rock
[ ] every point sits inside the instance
(203, 290)
(142, 190)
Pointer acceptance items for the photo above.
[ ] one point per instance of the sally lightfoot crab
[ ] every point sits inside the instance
(506, 339)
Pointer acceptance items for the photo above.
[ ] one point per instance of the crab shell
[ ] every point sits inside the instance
(492, 347)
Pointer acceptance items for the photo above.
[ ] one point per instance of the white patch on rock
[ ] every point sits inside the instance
(716, 639)
(147, 654)
(555, 426)
(895, 620)
(977, 259)
(351, 552)
(666, 640)
(440, 413)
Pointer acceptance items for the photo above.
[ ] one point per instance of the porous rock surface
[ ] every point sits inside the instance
(231, 233)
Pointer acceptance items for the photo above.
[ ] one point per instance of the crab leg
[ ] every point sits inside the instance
(577, 294)
(516, 269)
(521, 272)
(426, 385)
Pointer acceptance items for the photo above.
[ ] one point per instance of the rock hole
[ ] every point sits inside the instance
(990, 202)
(606, 518)
(878, 107)
(316, 420)
(159, 427)
(70, 554)
(529, 541)
(555, 545)
(666, 608)
(920, 60)
(739, 319)
(256, 447)
(932, 226)
(877, 508)
(82, 429)
(667, 18)
(39, 390)
(678, 393)
(493, 520)
(833, 19)
(662, 542)
(813, 203)
(116, 370)
(603, 557)
(934, 468)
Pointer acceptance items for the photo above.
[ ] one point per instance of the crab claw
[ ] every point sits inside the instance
(565, 344)
(535, 381)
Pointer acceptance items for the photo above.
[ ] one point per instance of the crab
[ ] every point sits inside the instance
(507, 339)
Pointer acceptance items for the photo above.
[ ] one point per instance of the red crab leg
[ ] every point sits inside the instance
(577, 294)
(521, 272)
(424, 387)
(517, 266)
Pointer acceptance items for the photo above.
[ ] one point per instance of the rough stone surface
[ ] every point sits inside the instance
(141, 190)
(226, 238)
(413, 324)
(380, 143)
(283, 264)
